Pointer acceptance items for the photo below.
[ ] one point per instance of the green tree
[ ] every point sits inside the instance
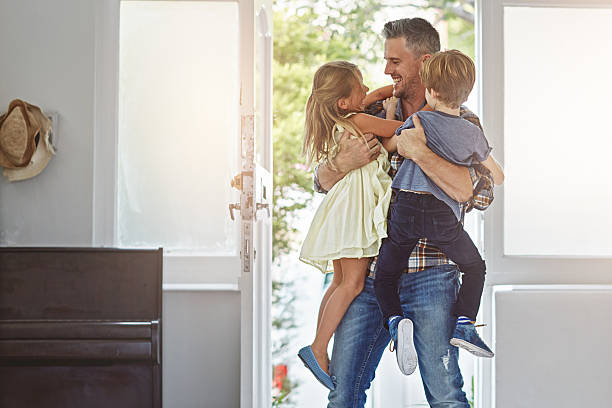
(459, 15)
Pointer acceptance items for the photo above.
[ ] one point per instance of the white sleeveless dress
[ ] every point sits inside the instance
(352, 218)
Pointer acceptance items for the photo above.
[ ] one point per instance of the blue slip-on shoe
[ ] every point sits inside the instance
(310, 362)
(402, 335)
(466, 337)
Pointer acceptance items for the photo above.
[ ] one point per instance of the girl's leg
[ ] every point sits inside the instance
(353, 277)
(332, 286)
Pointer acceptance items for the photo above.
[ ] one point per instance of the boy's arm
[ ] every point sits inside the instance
(453, 179)
(496, 171)
(378, 95)
(378, 126)
(390, 107)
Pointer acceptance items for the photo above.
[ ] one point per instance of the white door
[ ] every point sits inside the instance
(183, 162)
(544, 72)
(256, 203)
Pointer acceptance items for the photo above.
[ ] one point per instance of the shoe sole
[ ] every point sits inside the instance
(406, 353)
(475, 350)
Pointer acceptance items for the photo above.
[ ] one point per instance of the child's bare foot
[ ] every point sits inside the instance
(322, 359)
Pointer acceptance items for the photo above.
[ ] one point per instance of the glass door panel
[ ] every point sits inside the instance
(178, 125)
(557, 133)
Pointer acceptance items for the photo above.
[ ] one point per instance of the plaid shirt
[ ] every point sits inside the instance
(424, 254)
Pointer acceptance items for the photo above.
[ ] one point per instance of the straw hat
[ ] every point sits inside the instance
(25, 148)
(18, 130)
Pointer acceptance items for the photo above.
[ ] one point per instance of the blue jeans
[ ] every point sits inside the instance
(427, 298)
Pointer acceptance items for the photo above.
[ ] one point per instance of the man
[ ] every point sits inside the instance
(428, 291)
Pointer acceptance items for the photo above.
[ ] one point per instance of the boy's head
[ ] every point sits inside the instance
(451, 74)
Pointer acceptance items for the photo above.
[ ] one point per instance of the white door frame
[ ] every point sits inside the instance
(106, 119)
(256, 256)
(516, 272)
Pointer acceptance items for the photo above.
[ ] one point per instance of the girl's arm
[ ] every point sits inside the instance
(495, 169)
(390, 144)
(378, 95)
(378, 126)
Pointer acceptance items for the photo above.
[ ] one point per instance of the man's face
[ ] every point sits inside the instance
(403, 68)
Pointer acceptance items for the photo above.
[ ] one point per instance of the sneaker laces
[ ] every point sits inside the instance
(473, 322)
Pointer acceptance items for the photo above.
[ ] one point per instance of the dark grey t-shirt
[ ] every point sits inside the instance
(450, 137)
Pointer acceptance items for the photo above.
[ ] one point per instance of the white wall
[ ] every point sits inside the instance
(201, 349)
(47, 59)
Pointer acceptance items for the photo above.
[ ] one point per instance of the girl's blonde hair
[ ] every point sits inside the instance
(332, 81)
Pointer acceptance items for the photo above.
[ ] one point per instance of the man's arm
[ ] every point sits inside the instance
(352, 154)
(482, 180)
(454, 180)
(496, 171)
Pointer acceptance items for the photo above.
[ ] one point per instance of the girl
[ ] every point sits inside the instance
(350, 223)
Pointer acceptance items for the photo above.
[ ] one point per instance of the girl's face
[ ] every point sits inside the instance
(358, 94)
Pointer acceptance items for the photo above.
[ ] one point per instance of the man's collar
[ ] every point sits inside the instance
(399, 112)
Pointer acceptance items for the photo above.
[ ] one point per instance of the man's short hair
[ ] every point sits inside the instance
(421, 38)
(450, 73)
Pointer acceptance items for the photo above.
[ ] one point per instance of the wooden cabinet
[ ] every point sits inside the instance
(80, 327)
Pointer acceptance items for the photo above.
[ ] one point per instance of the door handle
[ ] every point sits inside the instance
(233, 207)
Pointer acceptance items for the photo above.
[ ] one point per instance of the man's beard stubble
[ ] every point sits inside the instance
(409, 91)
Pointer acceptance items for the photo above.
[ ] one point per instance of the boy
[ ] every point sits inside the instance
(422, 210)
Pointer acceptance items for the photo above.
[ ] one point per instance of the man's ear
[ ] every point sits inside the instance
(434, 93)
(343, 103)
(425, 57)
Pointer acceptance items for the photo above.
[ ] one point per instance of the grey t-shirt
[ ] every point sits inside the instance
(450, 137)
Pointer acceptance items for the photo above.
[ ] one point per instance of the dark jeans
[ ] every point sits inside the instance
(414, 216)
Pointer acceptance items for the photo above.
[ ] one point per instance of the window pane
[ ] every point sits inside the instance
(178, 125)
(557, 136)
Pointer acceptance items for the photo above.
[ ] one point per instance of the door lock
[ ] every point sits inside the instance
(261, 206)
(237, 181)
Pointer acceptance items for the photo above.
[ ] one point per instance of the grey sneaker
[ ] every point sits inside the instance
(466, 337)
(402, 336)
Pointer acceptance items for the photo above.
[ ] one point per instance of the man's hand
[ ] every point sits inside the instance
(354, 153)
(411, 142)
(454, 180)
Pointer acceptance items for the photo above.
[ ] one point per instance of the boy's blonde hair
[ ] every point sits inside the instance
(332, 81)
(450, 73)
